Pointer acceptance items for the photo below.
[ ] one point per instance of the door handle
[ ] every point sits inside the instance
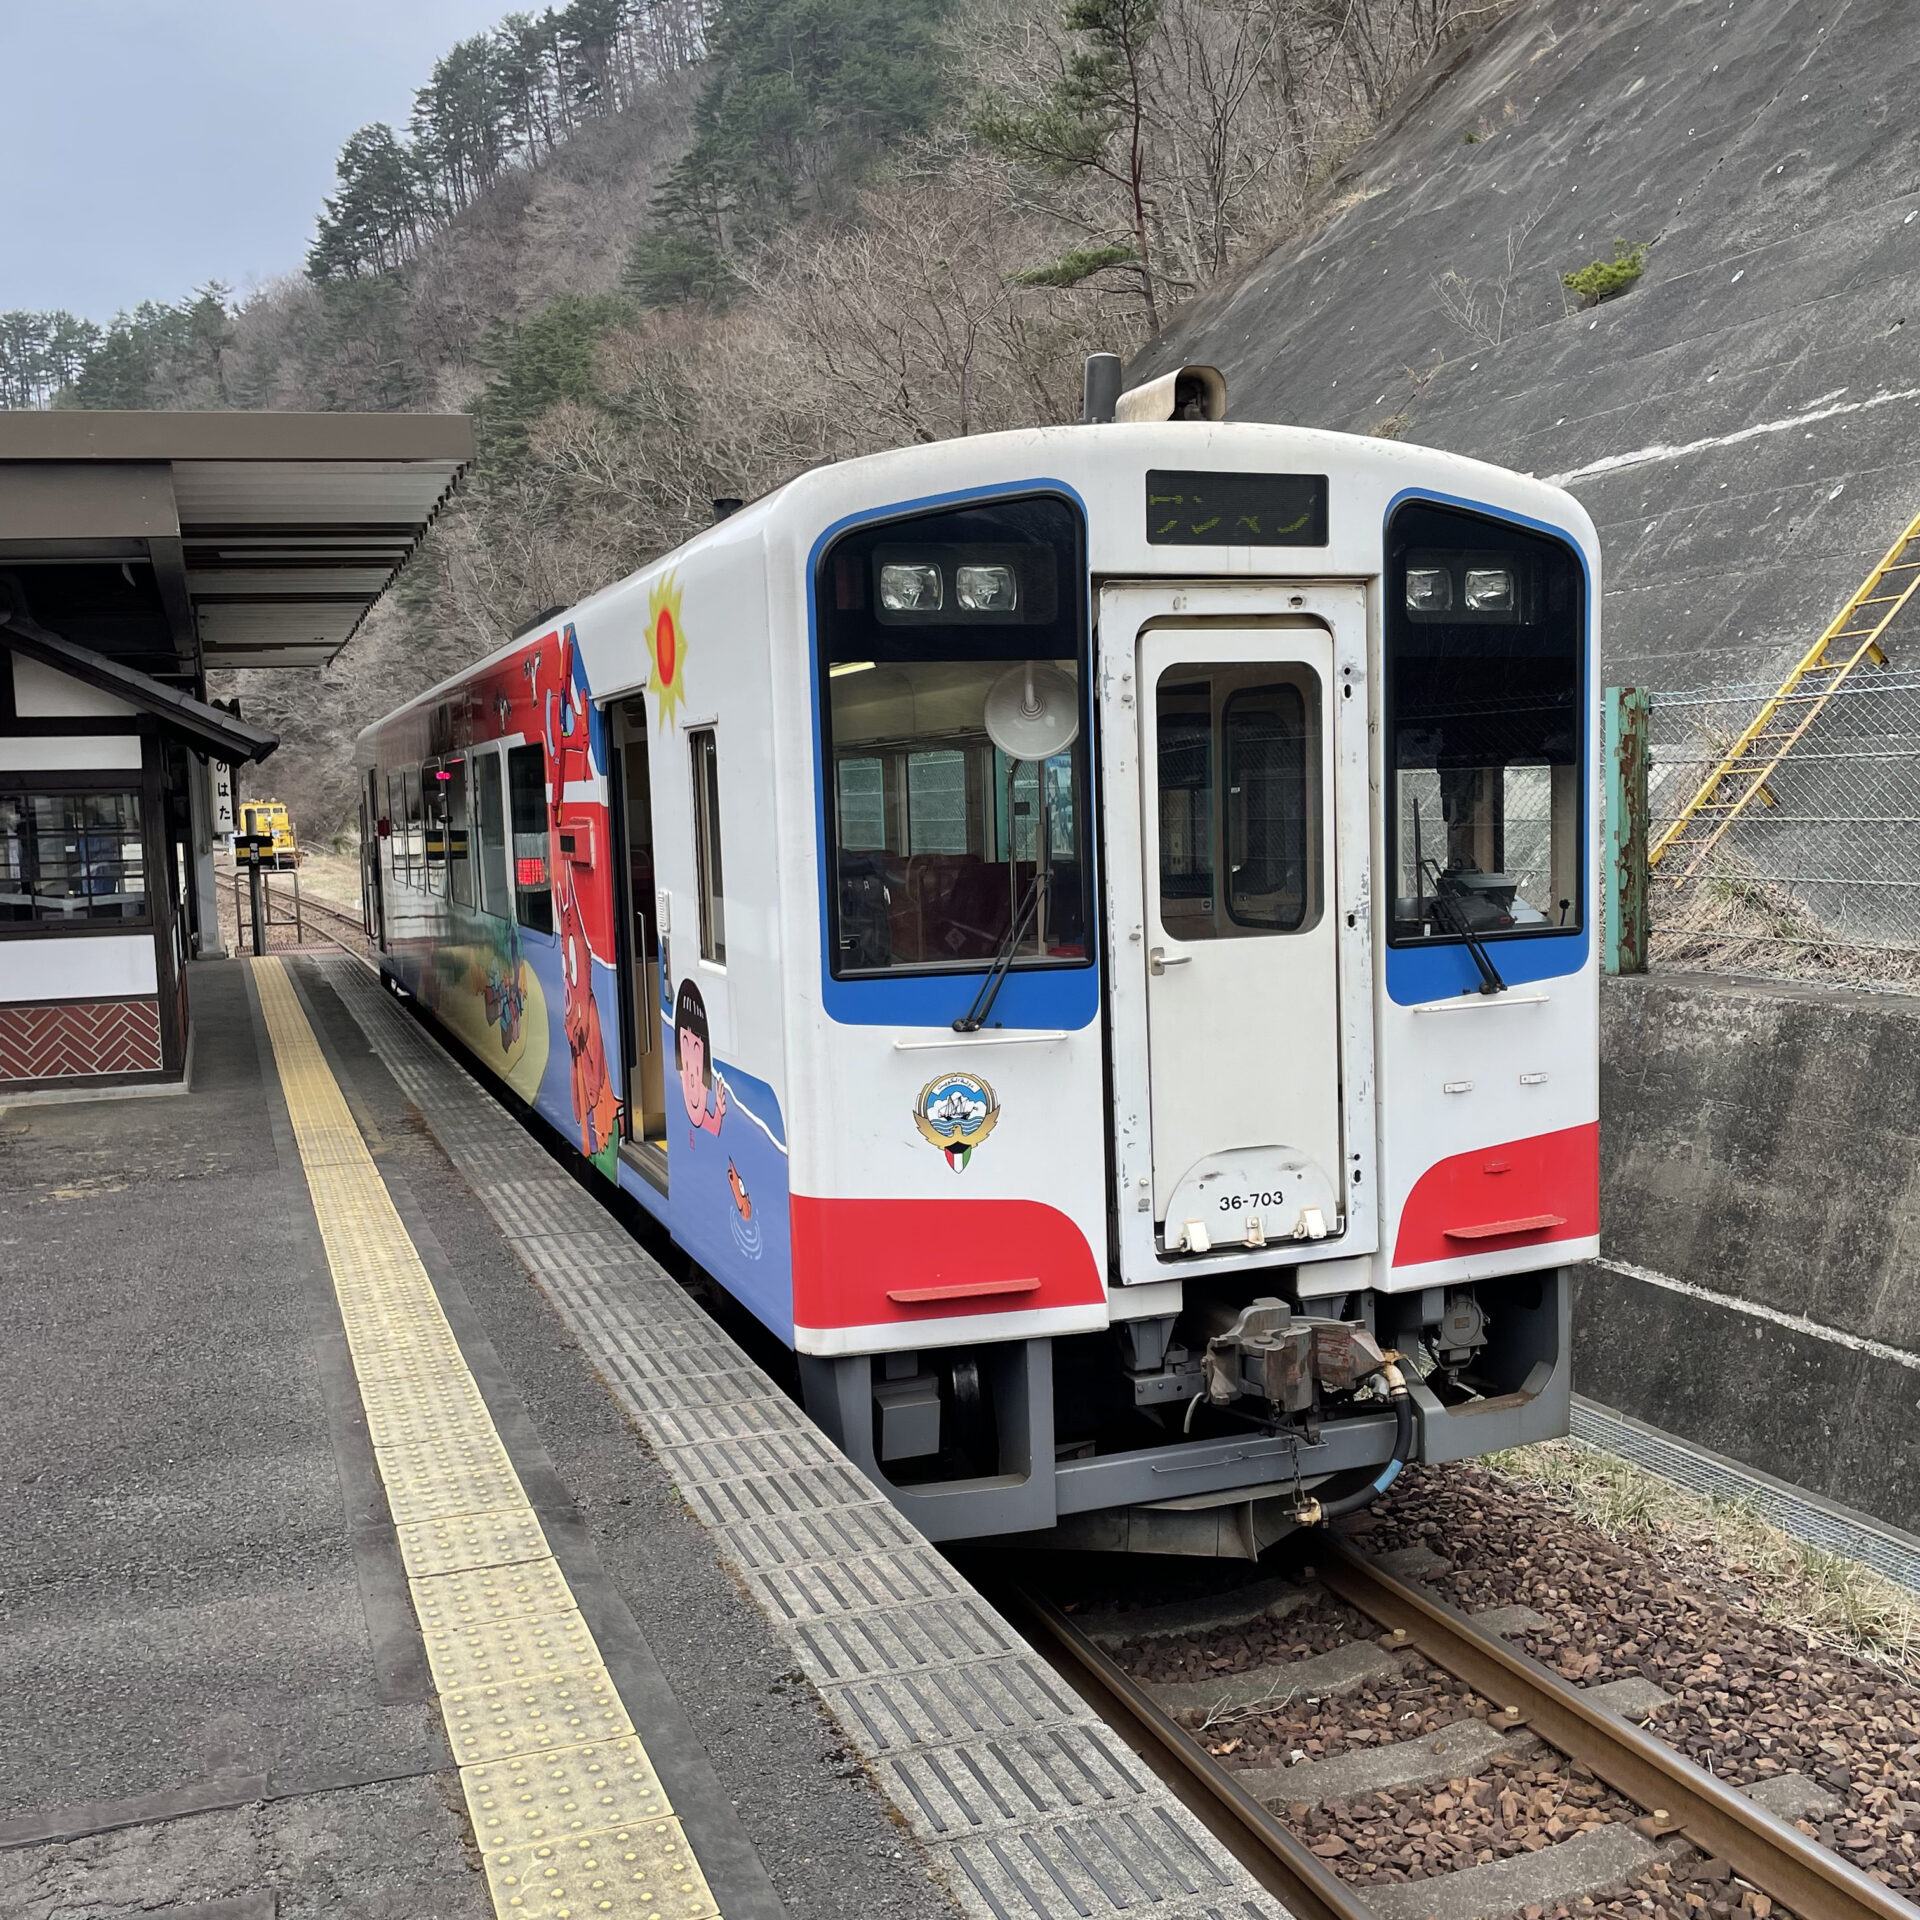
(1159, 959)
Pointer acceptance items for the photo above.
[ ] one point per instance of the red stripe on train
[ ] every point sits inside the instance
(1521, 1193)
(863, 1263)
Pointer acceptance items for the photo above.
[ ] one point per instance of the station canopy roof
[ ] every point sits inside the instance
(175, 542)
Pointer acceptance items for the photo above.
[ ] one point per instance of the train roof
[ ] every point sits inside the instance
(1083, 457)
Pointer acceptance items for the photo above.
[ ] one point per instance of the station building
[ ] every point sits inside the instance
(139, 551)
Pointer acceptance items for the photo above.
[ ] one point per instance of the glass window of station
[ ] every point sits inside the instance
(72, 861)
(1485, 646)
(953, 694)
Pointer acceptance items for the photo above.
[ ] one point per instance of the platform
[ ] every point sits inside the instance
(386, 1533)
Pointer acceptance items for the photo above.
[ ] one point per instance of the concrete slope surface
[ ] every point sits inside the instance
(1743, 424)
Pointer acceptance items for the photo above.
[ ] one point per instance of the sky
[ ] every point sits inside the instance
(152, 145)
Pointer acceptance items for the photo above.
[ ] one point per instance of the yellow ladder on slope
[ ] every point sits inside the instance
(1741, 777)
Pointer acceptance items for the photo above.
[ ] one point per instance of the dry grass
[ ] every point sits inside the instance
(1732, 919)
(1833, 1601)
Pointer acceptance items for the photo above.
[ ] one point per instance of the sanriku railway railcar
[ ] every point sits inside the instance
(1086, 934)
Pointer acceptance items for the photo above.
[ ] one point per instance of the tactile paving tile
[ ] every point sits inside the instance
(465, 1447)
(480, 1489)
(1110, 1863)
(466, 1540)
(620, 1873)
(520, 1717)
(418, 1404)
(532, 1646)
(552, 1796)
(987, 1784)
(983, 1697)
(490, 1593)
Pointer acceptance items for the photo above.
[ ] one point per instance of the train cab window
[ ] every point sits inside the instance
(459, 833)
(1239, 800)
(1485, 640)
(527, 807)
(953, 708)
(706, 846)
(490, 832)
(416, 833)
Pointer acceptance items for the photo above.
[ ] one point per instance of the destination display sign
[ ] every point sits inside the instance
(1236, 509)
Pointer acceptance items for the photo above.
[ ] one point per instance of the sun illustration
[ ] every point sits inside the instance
(667, 646)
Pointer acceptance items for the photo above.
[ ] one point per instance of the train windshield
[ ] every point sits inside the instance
(953, 711)
(1484, 637)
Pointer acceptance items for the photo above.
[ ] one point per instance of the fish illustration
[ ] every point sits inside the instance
(741, 1197)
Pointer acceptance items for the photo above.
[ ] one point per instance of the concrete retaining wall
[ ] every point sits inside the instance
(1761, 1185)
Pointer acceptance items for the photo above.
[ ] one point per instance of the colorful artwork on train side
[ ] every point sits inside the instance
(484, 990)
(574, 734)
(727, 1171)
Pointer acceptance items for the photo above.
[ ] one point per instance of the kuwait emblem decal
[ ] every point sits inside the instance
(955, 1113)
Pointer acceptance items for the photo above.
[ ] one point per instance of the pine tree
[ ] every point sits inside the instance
(1094, 120)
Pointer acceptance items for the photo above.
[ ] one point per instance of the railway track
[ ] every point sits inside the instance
(1693, 1821)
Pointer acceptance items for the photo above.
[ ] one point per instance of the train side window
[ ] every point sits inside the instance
(490, 826)
(397, 826)
(706, 845)
(433, 807)
(532, 874)
(416, 837)
(459, 834)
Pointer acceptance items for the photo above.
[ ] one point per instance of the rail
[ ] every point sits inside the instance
(346, 930)
(1679, 1798)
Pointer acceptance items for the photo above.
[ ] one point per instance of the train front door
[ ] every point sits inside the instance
(1235, 781)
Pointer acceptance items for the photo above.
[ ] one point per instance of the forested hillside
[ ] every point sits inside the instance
(665, 250)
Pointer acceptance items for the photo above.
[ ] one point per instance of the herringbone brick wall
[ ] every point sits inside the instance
(79, 1037)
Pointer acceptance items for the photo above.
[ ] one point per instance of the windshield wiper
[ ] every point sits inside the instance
(975, 1016)
(1451, 909)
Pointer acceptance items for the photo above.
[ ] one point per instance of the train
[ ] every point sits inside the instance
(1087, 934)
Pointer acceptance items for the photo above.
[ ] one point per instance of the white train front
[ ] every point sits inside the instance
(1088, 935)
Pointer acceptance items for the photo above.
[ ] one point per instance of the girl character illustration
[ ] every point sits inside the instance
(565, 728)
(693, 1055)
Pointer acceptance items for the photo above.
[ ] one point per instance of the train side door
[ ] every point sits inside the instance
(640, 956)
(1241, 989)
(372, 906)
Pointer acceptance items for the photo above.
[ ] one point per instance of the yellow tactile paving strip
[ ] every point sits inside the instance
(569, 1815)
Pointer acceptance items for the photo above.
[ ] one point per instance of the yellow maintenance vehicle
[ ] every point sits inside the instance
(270, 816)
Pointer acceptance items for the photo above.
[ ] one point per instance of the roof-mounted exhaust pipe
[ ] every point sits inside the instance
(1187, 393)
(1100, 391)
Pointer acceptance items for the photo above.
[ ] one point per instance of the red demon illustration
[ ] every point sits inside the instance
(565, 726)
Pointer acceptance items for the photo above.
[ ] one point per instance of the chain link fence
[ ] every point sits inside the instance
(1819, 878)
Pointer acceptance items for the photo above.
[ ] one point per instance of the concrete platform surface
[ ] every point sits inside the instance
(215, 1693)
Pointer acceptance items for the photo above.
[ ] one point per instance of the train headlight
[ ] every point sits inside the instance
(1429, 589)
(987, 589)
(911, 587)
(1489, 589)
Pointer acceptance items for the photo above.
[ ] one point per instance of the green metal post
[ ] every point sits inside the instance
(1626, 917)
